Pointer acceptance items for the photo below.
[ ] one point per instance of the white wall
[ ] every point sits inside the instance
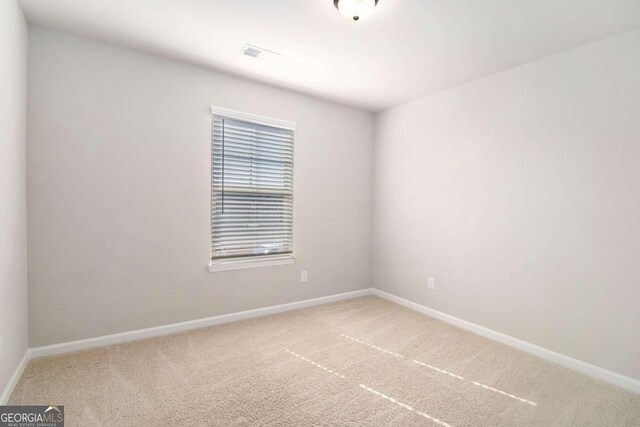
(519, 194)
(119, 192)
(13, 189)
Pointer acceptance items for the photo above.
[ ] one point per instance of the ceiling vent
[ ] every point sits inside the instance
(255, 52)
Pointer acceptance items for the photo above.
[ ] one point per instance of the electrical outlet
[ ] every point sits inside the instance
(303, 276)
(431, 283)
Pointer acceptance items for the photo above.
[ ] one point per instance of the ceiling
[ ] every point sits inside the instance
(404, 50)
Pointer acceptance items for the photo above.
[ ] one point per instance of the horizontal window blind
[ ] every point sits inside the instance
(252, 189)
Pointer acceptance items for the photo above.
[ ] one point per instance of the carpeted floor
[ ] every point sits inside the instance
(362, 362)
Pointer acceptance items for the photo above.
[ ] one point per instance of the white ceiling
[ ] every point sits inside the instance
(406, 49)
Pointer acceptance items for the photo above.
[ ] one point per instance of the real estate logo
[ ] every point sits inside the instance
(32, 416)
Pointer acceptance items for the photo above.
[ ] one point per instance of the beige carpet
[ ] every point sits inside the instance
(363, 362)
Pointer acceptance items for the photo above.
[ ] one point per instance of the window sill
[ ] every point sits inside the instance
(254, 262)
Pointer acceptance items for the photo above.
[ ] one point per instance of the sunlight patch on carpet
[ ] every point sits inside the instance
(372, 346)
(442, 371)
(405, 406)
(315, 364)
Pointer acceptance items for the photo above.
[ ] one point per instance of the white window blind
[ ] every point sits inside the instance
(252, 189)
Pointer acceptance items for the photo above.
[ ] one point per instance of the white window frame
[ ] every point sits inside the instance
(258, 260)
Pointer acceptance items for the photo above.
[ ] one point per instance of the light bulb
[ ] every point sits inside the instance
(355, 9)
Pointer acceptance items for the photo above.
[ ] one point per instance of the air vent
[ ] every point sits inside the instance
(255, 52)
(252, 51)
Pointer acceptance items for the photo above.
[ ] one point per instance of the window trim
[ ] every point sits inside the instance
(258, 260)
(253, 118)
(251, 262)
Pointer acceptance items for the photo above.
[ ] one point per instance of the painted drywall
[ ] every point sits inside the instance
(519, 195)
(13, 189)
(119, 192)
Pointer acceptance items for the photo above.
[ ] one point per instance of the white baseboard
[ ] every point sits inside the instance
(140, 334)
(13, 381)
(577, 365)
(541, 352)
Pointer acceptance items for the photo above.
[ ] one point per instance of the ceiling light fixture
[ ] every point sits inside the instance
(355, 9)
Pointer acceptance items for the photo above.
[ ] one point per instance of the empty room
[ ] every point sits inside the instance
(319, 213)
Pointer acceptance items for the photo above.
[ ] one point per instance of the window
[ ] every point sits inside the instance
(251, 191)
